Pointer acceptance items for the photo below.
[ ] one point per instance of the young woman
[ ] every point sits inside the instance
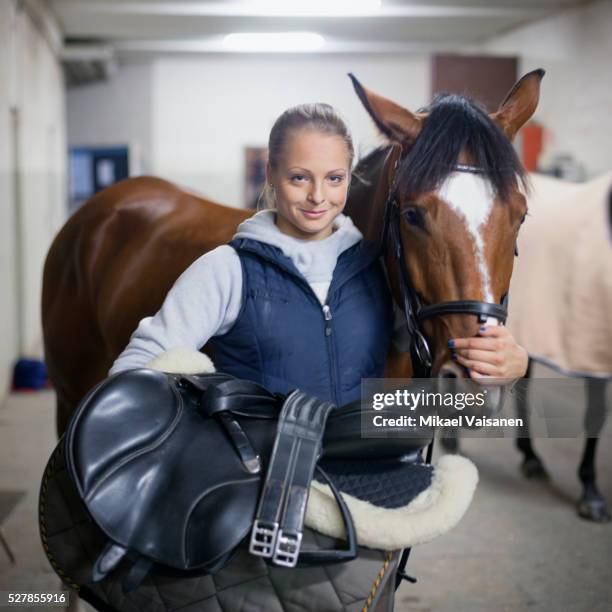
(297, 298)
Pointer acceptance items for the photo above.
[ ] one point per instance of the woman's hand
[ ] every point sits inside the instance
(494, 353)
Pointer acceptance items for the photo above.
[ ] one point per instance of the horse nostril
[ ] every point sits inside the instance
(448, 371)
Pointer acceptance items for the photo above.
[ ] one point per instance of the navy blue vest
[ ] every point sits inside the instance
(284, 339)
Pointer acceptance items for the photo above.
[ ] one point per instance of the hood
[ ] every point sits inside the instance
(315, 259)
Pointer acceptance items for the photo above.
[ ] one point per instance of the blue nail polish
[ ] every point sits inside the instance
(483, 328)
(451, 344)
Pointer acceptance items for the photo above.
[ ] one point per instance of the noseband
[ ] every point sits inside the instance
(414, 310)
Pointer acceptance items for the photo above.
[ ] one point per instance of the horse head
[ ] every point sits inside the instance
(453, 192)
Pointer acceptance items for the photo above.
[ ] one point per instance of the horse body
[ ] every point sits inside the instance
(112, 264)
(566, 253)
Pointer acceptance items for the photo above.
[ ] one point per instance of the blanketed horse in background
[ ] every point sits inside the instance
(561, 310)
(450, 181)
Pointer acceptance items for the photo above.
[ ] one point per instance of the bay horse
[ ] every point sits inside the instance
(562, 314)
(449, 180)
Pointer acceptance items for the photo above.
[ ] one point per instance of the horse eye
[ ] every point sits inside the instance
(413, 215)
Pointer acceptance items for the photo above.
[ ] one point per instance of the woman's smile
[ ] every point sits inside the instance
(313, 214)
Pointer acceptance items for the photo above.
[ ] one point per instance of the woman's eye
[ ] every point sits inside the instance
(298, 177)
(336, 178)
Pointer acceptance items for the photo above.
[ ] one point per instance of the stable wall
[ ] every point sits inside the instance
(8, 273)
(575, 49)
(191, 117)
(115, 112)
(32, 171)
(206, 110)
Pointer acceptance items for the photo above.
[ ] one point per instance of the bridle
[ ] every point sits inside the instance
(414, 310)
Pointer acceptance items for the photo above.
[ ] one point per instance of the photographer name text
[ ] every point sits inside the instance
(432, 420)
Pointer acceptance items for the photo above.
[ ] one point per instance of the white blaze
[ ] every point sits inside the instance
(471, 197)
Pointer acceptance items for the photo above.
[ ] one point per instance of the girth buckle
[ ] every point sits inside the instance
(287, 548)
(263, 539)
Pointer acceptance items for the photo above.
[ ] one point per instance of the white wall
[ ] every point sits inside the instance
(114, 112)
(575, 49)
(8, 273)
(32, 171)
(206, 110)
(193, 117)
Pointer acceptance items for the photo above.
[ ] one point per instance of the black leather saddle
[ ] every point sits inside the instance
(178, 470)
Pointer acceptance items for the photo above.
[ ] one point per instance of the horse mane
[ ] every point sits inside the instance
(369, 166)
(457, 124)
(362, 205)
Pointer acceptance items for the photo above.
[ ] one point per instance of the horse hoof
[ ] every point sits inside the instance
(450, 444)
(594, 509)
(534, 468)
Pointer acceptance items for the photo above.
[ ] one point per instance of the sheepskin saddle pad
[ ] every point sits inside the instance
(395, 502)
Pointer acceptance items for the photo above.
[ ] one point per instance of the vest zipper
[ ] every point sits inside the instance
(330, 348)
(334, 285)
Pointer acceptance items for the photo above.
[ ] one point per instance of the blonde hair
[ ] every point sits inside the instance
(319, 117)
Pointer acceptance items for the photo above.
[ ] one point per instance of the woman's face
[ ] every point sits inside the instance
(311, 184)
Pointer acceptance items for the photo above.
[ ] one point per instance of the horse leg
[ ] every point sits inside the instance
(450, 439)
(532, 466)
(399, 365)
(592, 505)
(63, 412)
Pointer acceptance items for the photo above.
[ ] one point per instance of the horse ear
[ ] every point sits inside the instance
(395, 122)
(520, 103)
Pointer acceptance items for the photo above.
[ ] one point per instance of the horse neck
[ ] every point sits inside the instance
(368, 193)
(366, 203)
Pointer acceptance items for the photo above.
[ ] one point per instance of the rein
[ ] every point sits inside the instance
(414, 310)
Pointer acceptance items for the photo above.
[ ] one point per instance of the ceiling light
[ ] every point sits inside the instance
(316, 7)
(275, 42)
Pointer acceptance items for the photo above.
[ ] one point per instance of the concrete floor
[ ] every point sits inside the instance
(520, 547)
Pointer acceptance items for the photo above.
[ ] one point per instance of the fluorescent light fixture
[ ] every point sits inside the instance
(274, 42)
(315, 7)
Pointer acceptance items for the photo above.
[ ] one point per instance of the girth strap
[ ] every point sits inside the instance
(279, 522)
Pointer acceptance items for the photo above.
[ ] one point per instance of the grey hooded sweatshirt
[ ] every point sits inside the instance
(206, 299)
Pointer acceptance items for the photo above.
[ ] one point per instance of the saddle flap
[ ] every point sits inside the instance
(124, 413)
(153, 485)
